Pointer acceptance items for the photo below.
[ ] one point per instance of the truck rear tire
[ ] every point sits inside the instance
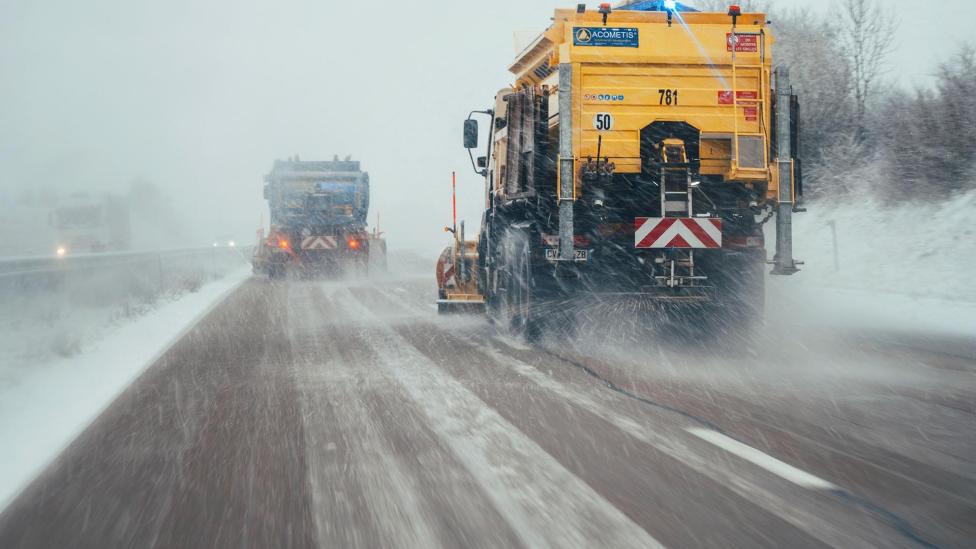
(518, 286)
(738, 311)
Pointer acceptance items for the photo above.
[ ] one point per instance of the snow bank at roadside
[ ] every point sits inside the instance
(926, 250)
(44, 408)
(908, 267)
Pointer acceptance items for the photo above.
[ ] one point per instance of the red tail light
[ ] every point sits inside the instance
(744, 241)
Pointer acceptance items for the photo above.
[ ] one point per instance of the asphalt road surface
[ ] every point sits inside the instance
(311, 413)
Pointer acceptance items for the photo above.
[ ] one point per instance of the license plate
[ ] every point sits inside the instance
(552, 254)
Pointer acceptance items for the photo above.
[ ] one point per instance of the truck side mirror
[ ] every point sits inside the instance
(470, 134)
(482, 161)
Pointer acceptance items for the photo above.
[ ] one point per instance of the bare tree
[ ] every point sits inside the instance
(821, 75)
(868, 36)
(957, 116)
(928, 139)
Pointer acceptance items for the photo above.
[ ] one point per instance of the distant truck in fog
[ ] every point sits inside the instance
(86, 223)
(318, 218)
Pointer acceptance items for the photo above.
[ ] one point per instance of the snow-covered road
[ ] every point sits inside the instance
(348, 414)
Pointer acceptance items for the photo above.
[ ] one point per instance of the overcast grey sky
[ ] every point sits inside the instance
(929, 32)
(201, 96)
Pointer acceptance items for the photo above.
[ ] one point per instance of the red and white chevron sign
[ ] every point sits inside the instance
(677, 232)
(445, 270)
(319, 243)
(448, 276)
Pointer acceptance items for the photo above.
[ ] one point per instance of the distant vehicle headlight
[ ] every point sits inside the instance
(232, 244)
(61, 251)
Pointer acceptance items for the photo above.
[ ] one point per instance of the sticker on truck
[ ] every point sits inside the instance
(725, 96)
(608, 37)
(745, 43)
(603, 122)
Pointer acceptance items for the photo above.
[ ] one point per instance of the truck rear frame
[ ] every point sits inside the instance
(635, 157)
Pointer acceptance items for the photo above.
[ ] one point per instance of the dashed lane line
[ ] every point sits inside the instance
(805, 514)
(767, 462)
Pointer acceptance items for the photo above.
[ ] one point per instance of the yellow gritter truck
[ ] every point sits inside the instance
(636, 157)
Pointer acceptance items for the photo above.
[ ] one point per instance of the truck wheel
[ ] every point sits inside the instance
(520, 304)
(739, 309)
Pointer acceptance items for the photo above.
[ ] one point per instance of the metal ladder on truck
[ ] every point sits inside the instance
(677, 201)
(759, 169)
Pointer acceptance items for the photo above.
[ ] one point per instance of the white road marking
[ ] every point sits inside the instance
(544, 503)
(835, 528)
(767, 462)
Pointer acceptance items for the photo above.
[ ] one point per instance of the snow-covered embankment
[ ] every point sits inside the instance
(49, 392)
(902, 268)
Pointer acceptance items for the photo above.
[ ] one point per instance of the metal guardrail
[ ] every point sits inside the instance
(54, 306)
(113, 278)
